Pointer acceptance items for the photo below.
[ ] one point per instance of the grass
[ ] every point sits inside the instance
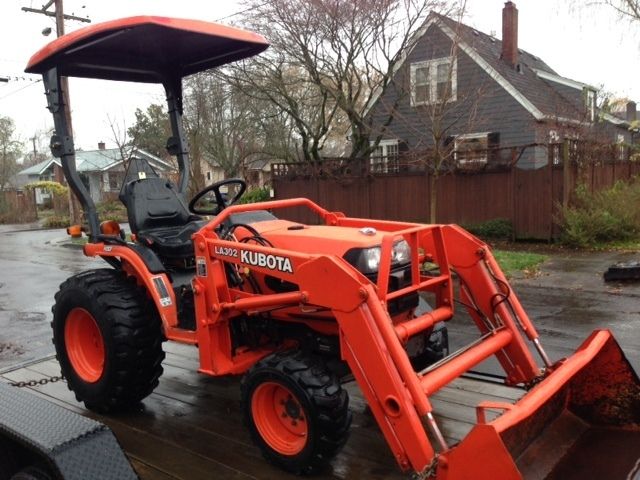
(619, 245)
(513, 263)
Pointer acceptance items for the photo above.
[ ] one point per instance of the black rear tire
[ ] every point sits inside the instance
(318, 398)
(131, 335)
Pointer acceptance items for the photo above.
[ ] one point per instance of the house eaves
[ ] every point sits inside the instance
(562, 80)
(403, 55)
(39, 168)
(615, 120)
(493, 73)
(158, 160)
(111, 165)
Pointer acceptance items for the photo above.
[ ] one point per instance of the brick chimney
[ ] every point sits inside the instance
(101, 145)
(510, 34)
(632, 115)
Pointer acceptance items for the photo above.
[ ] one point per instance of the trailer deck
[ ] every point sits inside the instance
(191, 426)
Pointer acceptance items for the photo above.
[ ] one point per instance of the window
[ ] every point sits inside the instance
(471, 148)
(434, 81)
(209, 176)
(590, 104)
(384, 158)
(114, 181)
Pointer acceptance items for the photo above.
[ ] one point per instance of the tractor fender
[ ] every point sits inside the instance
(156, 281)
(67, 445)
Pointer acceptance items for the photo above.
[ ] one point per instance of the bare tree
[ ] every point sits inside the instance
(627, 9)
(125, 144)
(444, 107)
(10, 150)
(330, 59)
(274, 79)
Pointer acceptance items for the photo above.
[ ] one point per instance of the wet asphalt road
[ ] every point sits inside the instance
(32, 265)
(566, 302)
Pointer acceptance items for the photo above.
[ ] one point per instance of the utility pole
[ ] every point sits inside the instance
(60, 17)
(35, 150)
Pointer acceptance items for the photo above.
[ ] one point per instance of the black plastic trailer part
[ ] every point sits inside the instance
(66, 445)
(623, 272)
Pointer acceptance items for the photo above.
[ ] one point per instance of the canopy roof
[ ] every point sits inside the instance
(146, 49)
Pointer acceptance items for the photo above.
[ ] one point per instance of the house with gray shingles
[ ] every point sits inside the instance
(102, 171)
(491, 95)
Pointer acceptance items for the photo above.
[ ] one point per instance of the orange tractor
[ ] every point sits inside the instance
(298, 309)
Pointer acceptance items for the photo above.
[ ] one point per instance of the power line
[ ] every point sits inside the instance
(19, 90)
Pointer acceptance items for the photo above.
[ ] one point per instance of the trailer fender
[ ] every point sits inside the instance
(69, 446)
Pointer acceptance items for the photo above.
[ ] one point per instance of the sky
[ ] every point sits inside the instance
(588, 44)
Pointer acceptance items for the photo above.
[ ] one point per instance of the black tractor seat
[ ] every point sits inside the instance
(172, 242)
(159, 217)
(161, 220)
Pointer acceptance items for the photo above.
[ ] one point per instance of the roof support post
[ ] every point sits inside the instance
(62, 147)
(177, 145)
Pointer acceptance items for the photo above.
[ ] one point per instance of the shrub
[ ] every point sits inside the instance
(260, 194)
(56, 221)
(496, 229)
(608, 215)
(112, 210)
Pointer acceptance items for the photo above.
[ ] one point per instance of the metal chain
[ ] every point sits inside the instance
(35, 383)
(429, 472)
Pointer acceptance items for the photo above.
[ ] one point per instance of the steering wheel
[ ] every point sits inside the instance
(221, 201)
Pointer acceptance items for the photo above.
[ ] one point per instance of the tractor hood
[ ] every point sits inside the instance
(320, 239)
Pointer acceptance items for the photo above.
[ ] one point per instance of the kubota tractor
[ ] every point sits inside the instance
(294, 308)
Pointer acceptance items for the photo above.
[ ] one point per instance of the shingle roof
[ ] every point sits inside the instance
(38, 168)
(92, 161)
(538, 91)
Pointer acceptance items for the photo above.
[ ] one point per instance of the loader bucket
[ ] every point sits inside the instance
(581, 421)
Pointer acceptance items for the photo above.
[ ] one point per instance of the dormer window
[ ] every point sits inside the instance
(590, 104)
(434, 81)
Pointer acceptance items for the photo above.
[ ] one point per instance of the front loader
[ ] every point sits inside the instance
(300, 309)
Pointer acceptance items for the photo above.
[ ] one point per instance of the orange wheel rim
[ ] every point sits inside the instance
(85, 347)
(279, 418)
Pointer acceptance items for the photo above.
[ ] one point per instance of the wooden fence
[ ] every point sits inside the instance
(18, 206)
(528, 198)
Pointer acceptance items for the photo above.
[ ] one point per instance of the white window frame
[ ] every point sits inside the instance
(471, 136)
(432, 79)
(590, 96)
(388, 161)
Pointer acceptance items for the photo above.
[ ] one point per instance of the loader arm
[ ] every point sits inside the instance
(371, 340)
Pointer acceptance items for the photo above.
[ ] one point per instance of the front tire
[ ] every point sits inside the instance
(108, 339)
(296, 410)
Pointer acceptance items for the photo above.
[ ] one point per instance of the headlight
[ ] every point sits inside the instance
(367, 260)
(401, 253)
(371, 259)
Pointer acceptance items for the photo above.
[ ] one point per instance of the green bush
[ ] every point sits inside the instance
(112, 210)
(496, 229)
(261, 194)
(605, 216)
(56, 221)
